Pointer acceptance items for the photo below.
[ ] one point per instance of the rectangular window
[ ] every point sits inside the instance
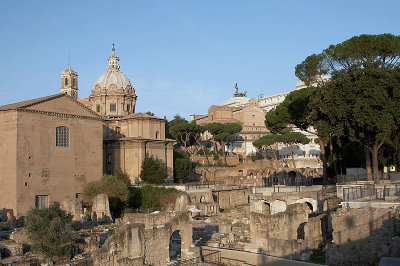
(127, 107)
(109, 159)
(98, 108)
(118, 130)
(113, 107)
(78, 195)
(41, 201)
(62, 136)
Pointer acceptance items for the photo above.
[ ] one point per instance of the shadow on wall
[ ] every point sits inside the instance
(288, 178)
(383, 239)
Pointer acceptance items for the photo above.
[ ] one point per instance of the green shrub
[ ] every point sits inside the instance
(47, 230)
(115, 189)
(252, 157)
(154, 171)
(148, 197)
(119, 174)
(182, 167)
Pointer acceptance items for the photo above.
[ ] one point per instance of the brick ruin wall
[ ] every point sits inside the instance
(286, 234)
(363, 236)
(142, 240)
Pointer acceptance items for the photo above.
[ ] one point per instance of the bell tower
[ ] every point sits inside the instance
(69, 82)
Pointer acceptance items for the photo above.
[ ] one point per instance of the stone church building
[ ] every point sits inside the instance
(52, 146)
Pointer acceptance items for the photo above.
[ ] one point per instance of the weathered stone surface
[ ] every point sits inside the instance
(363, 236)
(15, 249)
(286, 234)
(72, 206)
(20, 236)
(231, 197)
(101, 208)
(144, 239)
(176, 202)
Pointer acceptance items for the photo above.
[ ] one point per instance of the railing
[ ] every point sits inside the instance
(345, 179)
(360, 193)
(272, 181)
(200, 185)
(214, 257)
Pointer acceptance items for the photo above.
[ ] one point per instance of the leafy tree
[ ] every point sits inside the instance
(228, 135)
(277, 120)
(214, 129)
(223, 133)
(176, 120)
(295, 110)
(154, 171)
(362, 98)
(182, 166)
(124, 177)
(198, 130)
(115, 189)
(290, 139)
(182, 132)
(267, 142)
(47, 230)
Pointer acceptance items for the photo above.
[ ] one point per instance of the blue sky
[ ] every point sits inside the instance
(182, 56)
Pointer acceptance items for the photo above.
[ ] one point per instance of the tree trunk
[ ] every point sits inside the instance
(291, 155)
(223, 150)
(323, 159)
(276, 152)
(333, 155)
(374, 152)
(367, 156)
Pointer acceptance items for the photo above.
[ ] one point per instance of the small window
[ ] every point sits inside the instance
(127, 107)
(66, 81)
(118, 130)
(98, 108)
(73, 82)
(42, 201)
(113, 107)
(26, 184)
(109, 159)
(78, 195)
(62, 137)
(157, 134)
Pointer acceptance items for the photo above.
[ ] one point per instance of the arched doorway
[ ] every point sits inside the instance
(310, 206)
(292, 178)
(175, 246)
(266, 208)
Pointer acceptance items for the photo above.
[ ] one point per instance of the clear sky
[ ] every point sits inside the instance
(182, 56)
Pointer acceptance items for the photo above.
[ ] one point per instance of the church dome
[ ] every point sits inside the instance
(113, 81)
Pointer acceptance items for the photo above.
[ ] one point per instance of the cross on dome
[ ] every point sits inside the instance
(113, 60)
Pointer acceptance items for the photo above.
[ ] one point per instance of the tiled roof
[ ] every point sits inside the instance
(140, 115)
(29, 103)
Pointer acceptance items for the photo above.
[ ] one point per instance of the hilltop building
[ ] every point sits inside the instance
(250, 113)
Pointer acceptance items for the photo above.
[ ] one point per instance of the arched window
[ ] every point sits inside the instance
(66, 81)
(62, 136)
(73, 82)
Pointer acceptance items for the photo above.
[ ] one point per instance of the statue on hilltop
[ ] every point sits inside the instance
(237, 93)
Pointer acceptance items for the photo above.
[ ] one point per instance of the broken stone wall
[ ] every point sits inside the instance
(73, 206)
(101, 208)
(125, 247)
(363, 236)
(282, 225)
(230, 198)
(286, 234)
(138, 244)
